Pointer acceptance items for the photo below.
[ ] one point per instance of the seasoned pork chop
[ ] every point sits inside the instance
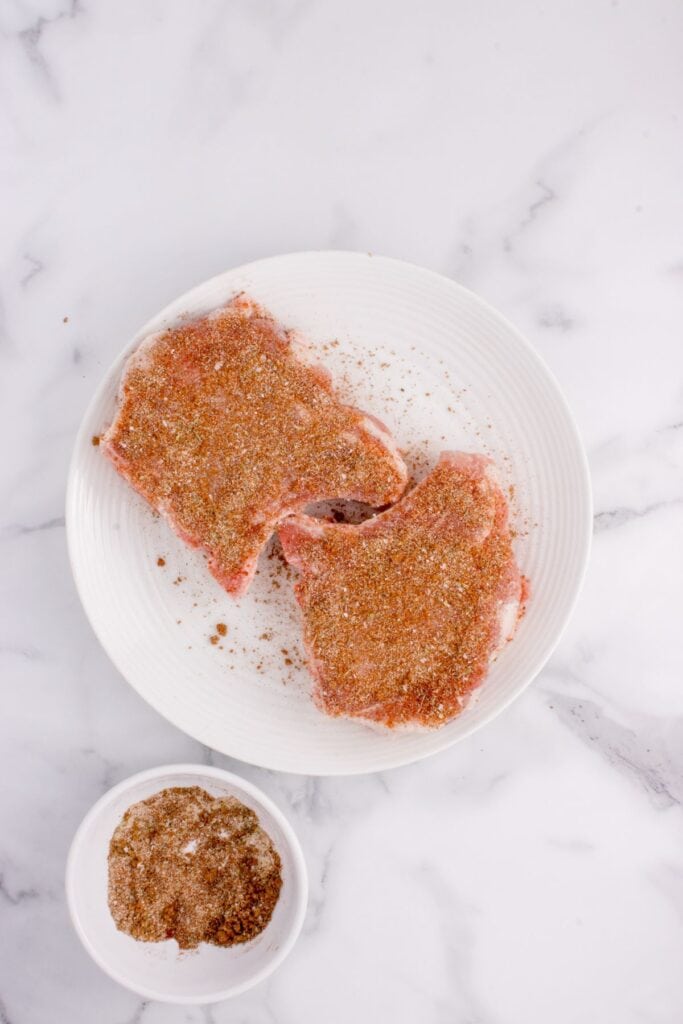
(225, 429)
(403, 614)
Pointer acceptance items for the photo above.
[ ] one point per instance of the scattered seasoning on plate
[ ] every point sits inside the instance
(95, 440)
(187, 866)
(221, 629)
(161, 561)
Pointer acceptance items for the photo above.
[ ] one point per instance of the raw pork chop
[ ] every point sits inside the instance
(224, 429)
(403, 614)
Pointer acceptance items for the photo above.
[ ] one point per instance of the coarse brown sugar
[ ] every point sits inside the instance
(188, 866)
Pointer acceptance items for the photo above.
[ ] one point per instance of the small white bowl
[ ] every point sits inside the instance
(159, 970)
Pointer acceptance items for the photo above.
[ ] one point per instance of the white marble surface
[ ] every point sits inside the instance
(534, 152)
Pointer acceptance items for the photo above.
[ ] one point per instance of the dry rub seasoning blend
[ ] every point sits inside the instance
(187, 866)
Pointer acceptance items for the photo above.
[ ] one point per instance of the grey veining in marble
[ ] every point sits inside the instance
(534, 152)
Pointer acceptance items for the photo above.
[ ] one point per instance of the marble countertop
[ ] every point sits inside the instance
(532, 151)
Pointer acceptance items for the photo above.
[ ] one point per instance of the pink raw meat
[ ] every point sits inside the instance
(225, 429)
(404, 613)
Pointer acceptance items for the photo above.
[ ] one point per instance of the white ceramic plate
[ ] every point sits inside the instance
(444, 371)
(159, 970)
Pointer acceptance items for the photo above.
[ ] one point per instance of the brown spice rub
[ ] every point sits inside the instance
(187, 866)
(225, 429)
(403, 613)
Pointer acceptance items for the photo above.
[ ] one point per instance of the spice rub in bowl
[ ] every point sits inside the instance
(188, 866)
